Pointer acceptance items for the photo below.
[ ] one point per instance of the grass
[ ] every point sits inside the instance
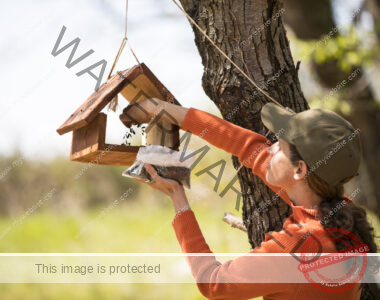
(131, 227)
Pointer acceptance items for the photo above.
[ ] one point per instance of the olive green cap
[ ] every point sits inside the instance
(328, 143)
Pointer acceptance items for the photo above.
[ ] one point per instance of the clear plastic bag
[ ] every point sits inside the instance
(165, 161)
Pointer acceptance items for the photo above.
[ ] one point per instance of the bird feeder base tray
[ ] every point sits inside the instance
(107, 154)
(88, 145)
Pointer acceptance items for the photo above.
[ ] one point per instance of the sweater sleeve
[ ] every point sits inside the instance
(229, 280)
(250, 147)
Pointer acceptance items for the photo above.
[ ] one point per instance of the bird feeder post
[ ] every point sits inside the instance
(162, 133)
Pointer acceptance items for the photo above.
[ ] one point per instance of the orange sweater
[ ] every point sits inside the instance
(251, 150)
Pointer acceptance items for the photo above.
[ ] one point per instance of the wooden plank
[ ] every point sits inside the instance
(91, 136)
(118, 157)
(99, 99)
(146, 85)
(166, 94)
(141, 89)
(88, 145)
(121, 148)
(85, 155)
(157, 136)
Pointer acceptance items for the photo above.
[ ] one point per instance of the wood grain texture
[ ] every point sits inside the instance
(88, 145)
(92, 135)
(146, 86)
(98, 100)
(119, 155)
(89, 125)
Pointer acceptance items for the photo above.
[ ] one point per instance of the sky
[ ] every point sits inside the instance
(38, 92)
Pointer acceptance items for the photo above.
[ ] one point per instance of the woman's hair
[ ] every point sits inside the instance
(349, 216)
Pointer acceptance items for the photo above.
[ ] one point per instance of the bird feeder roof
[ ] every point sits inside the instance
(136, 83)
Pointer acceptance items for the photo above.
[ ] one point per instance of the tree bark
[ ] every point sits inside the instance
(263, 56)
(365, 110)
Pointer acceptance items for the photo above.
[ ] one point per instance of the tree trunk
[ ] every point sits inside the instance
(365, 111)
(373, 7)
(263, 56)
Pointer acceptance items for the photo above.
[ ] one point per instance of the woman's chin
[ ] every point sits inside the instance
(269, 178)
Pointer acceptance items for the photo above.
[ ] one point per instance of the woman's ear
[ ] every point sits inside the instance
(300, 171)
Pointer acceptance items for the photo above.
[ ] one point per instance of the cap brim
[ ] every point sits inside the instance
(277, 120)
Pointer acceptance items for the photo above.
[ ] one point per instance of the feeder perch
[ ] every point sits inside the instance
(88, 124)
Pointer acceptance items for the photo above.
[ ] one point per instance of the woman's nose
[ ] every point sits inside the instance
(270, 149)
(273, 148)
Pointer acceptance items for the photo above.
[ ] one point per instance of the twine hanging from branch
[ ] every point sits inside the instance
(114, 102)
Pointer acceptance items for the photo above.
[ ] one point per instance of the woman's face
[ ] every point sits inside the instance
(280, 169)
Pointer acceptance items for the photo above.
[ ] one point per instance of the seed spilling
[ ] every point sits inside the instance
(133, 134)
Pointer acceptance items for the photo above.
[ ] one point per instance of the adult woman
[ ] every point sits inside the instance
(302, 168)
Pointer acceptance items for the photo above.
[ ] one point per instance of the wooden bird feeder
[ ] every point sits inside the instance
(88, 124)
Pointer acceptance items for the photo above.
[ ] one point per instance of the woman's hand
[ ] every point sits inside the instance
(169, 187)
(141, 112)
(147, 110)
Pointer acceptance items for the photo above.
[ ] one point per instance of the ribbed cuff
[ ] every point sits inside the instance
(189, 234)
(183, 217)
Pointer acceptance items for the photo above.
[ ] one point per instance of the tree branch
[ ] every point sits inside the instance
(234, 221)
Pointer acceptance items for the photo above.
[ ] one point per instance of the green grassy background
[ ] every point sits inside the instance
(128, 229)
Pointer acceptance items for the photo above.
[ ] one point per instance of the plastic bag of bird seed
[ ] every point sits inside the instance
(166, 162)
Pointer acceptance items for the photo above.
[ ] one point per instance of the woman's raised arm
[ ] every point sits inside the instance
(239, 141)
(249, 146)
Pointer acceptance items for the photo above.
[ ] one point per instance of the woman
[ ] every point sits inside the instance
(316, 153)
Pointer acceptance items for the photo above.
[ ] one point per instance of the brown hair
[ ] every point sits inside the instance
(349, 216)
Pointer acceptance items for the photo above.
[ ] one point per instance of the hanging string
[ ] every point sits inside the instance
(124, 41)
(130, 48)
(126, 19)
(114, 102)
